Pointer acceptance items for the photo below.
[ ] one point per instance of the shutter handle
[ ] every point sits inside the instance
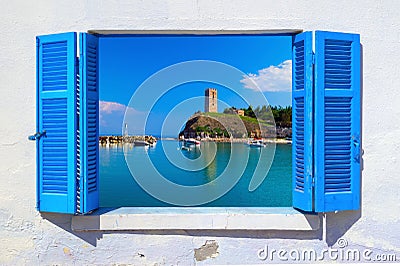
(37, 135)
(357, 149)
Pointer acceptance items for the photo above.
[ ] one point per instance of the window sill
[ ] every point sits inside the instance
(196, 218)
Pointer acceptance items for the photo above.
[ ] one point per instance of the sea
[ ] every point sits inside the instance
(123, 167)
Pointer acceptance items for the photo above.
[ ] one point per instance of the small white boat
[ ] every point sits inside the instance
(256, 143)
(191, 141)
(152, 144)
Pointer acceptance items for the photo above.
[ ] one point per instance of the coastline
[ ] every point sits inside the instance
(238, 140)
(131, 139)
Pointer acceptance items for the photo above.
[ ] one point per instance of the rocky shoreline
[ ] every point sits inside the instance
(242, 140)
(125, 139)
(131, 139)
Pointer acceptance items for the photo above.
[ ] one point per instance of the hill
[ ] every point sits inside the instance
(226, 125)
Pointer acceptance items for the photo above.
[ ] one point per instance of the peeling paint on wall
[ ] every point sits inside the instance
(206, 251)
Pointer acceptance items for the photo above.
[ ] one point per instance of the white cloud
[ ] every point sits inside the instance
(109, 107)
(112, 114)
(271, 79)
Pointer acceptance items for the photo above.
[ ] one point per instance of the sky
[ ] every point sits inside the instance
(126, 62)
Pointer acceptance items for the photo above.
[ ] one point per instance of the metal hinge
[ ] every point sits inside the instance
(37, 135)
(313, 59)
(312, 181)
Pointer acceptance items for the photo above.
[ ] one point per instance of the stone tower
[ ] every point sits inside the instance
(211, 99)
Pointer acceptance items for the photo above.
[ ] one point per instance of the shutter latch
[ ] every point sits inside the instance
(37, 135)
(357, 148)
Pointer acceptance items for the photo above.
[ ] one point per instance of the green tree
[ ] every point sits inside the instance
(249, 111)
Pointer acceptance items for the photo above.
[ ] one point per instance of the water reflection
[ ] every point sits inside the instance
(211, 169)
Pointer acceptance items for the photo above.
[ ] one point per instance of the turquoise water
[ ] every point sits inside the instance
(119, 188)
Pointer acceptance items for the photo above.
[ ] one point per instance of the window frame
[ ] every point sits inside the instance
(179, 211)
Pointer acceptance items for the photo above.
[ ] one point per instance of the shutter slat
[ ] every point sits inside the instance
(56, 152)
(337, 126)
(302, 122)
(89, 185)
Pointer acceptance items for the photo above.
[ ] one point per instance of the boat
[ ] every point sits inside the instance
(191, 141)
(152, 143)
(147, 143)
(256, 143)
(141, 143)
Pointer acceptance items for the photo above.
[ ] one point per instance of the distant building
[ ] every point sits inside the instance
(210, 105)
(125, 134)
(240, 112)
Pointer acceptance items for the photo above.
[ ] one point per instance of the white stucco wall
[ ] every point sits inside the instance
(27, 238)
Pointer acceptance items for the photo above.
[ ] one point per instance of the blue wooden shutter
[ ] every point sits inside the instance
(88, 194)
(57, 115)
(337, 121)
(302, 129)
